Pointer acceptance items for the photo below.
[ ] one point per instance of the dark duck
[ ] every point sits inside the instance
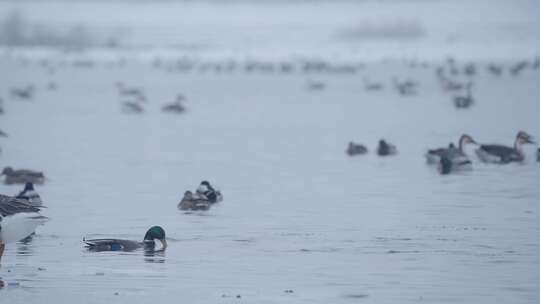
(148, 243)
(385, 148)
(356, 149)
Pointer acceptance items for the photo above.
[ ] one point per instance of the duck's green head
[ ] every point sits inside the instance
(154, 233)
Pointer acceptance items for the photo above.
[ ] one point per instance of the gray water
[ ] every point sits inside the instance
(298, 213)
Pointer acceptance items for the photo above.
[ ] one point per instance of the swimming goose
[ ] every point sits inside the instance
(18, 219)
(504, 154)
(148, 243)
(356, 149)
(386, 149)
(433, 156)
(22, 176)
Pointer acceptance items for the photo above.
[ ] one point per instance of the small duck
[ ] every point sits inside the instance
(315, 85)
(356, 149)
(18, 220)
(175, 107)
(22, 176)
(463, 102)
(129, 91)
(30, 195)
(148, 243)
(449, 164)
(208, 192)
(134, 107)
(192, 202)
(495, 69)
(386, 149)
(433, 156)
(504, 154)
(23, 93)
(405, 88)
(371, 86)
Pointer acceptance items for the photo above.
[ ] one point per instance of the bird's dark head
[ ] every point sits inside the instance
(28, 186)
(7, 171)
(154, 233)
(205, 183)
(524, 138)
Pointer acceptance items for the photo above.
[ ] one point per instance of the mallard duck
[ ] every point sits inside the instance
(192, 202)
(148, 243)
(386, 149)
(22, 176)
(504, 154)
(18, 220)
(356, 149)
(433, 156)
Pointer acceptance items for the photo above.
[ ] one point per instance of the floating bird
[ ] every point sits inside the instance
(405, 88)
(148, 243)
(22, 176)
(470, 69)
(316, 85)
(386, 149)
(495, 69)
(129, 91)
(463, 102)
(18, 220)
(518, 67)
(175, 107)
(504, 154)
(356, 149)
(193, 202)
(134, 107)
(433, 156)
(23, 93)
(372, 86)
(30, 195)
(449, 164)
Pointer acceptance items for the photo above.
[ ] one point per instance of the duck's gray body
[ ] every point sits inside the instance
(499, 154)
(113, 245)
